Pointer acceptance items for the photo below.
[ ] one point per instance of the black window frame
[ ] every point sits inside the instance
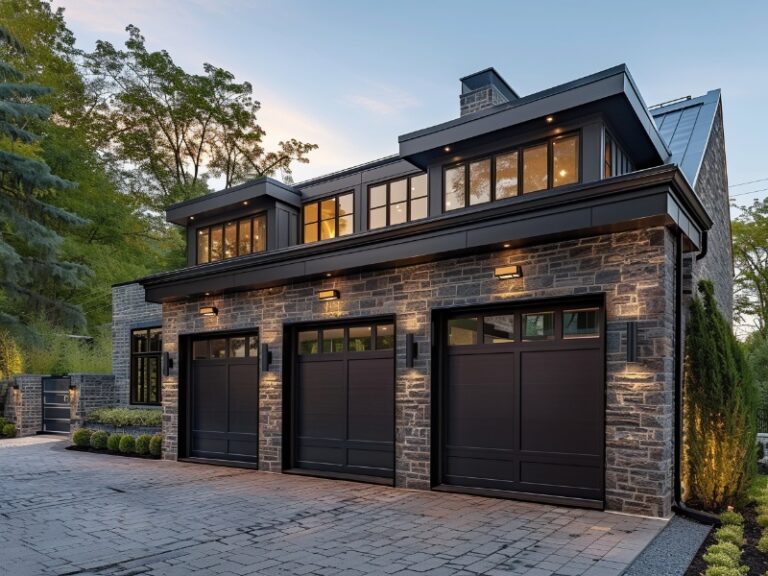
(619, 163)
(133, 396)
(388, 203)
(519, 149)
(318, 201)
(223, 226)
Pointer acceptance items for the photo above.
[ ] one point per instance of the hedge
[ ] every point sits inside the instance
(124, 417)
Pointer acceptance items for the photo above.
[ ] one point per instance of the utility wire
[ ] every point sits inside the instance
(750, 182)
(750, 192)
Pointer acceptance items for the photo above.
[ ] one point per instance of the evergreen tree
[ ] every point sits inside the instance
(721, 408)
(29, 241)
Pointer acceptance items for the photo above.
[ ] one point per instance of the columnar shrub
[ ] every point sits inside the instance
(82, 437)
(127, 444)
(99, 440)
(142, 444)
(156, 445)
(113, 442)
(721, 405)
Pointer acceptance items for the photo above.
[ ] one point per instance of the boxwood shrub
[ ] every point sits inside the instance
(127, 444)
(113, 442)
(124, 417)
(99, 440)
(9, 430)
(82, 437)
(142, 444)
(156, 445)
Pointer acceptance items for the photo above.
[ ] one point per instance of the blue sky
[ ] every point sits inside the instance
(352, 76)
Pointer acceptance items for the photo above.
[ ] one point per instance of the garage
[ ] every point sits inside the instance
(223, 399)
(343, 400)
(521, 401)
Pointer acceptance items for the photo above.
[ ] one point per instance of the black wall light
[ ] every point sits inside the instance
(411, 350)
(167, 364)
(632, 341)
(266, 358)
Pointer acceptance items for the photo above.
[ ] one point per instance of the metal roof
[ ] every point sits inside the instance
(685, 127)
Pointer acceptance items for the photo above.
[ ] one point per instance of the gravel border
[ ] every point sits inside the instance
(672, 551)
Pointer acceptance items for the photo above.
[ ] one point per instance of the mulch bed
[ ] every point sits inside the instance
(111, 453)
(752, 557)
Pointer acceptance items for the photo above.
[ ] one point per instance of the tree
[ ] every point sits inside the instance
(721, 405)
(750, 252)
(29, 241)
(179, 128)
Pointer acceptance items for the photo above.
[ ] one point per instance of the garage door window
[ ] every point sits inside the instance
(499, 329)
(540, 326)
(581, 323)
(385, 337)
(462, 331)
(308, 342)
(333, 340)
(357, 338)
(360, 338)
(222, 348)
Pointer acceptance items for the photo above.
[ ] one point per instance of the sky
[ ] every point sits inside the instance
(353, 76)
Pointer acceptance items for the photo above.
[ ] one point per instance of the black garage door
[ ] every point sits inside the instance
(223, 416)
(343, 399)
(523, 401)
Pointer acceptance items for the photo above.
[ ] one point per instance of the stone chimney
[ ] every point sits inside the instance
(484, 89)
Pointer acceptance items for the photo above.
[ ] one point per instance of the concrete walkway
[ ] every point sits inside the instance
(68, 513)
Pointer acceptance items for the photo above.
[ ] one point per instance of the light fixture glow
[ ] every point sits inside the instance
(563, 173)
(191, 217)
(447, 148)
(550, 119)
(245, 202)
(327, 274)
(209, 311)
(507, 245)
(508, 272)
(327, 295)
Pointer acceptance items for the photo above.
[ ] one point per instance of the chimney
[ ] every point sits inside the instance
(484, 89)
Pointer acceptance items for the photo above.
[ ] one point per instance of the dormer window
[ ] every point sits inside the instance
(329, 218)
(231, 239)
(396, 202)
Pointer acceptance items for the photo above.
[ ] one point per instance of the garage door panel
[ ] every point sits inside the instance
(371, 399)
(210, 398)
(243, 447)
(470, 468)
(561, 400)
(309, 454)
(480, 400)
(550, 474)
(243, 399)
(322, 400)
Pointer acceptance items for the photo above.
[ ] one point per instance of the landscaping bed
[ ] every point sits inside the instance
(143, 446)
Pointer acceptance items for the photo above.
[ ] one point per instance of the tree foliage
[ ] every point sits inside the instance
(750, 252)
(721, 403)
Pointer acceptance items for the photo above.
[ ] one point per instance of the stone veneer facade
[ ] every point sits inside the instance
(129, 311)
(633, 269)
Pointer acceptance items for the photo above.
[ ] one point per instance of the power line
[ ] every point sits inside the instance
(750, 182)
(750, 192)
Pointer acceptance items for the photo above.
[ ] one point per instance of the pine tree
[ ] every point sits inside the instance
(721, 408)
(29, 241)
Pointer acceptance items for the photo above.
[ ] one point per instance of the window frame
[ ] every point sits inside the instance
(388, 203)
(133, 367)
(519, 149)
(223, 227)
(317, 202)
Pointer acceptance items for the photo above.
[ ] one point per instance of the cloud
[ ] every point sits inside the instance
(383, 100)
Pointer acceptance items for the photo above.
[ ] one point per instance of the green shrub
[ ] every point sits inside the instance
(721, 402)
(762, 544)
(156, 445)
(726, 571)
(732, 534)
(727, 548)
(3, 422)
(731, 517)
(720, 559)
(113, 442)
(99, 440)
(9, 430)
(762, 520)
(10, 356)
(142, 444)
(124, 417)
(127, 444)
(82, 437)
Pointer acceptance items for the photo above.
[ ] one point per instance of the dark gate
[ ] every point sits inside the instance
(344, 400)
(56, 407)
(522, 401)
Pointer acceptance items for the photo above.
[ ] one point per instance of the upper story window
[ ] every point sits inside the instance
(615, 160)
(527, 169)
(398, 201)
(329, 218)
(235, 238)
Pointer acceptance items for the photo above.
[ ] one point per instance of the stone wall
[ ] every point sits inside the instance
(129, 311)
(24, 405)
(92, 391)
(633, 269)
(712, 188)
(480, 99)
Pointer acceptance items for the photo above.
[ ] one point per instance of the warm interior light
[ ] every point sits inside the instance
(550, 119)
(508, 272)
(209, 311)
(326, 295)
(563, 173)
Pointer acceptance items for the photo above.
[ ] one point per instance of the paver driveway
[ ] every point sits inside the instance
(65, 512)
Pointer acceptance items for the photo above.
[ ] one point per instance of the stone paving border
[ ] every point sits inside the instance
(75, 513)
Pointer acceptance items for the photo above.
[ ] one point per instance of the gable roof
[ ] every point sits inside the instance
(685, 127)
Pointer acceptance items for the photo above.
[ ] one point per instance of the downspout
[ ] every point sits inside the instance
(678, 506)
(704, 246)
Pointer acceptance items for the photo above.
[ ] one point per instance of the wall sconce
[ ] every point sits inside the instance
(508, 272)
(209, 311)
(631, 341)
(411, 350)
(266, 358)
(72, 387)
(167, 364)
(328, 295)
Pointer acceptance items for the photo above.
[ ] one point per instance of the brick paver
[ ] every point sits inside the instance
(73, 513)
